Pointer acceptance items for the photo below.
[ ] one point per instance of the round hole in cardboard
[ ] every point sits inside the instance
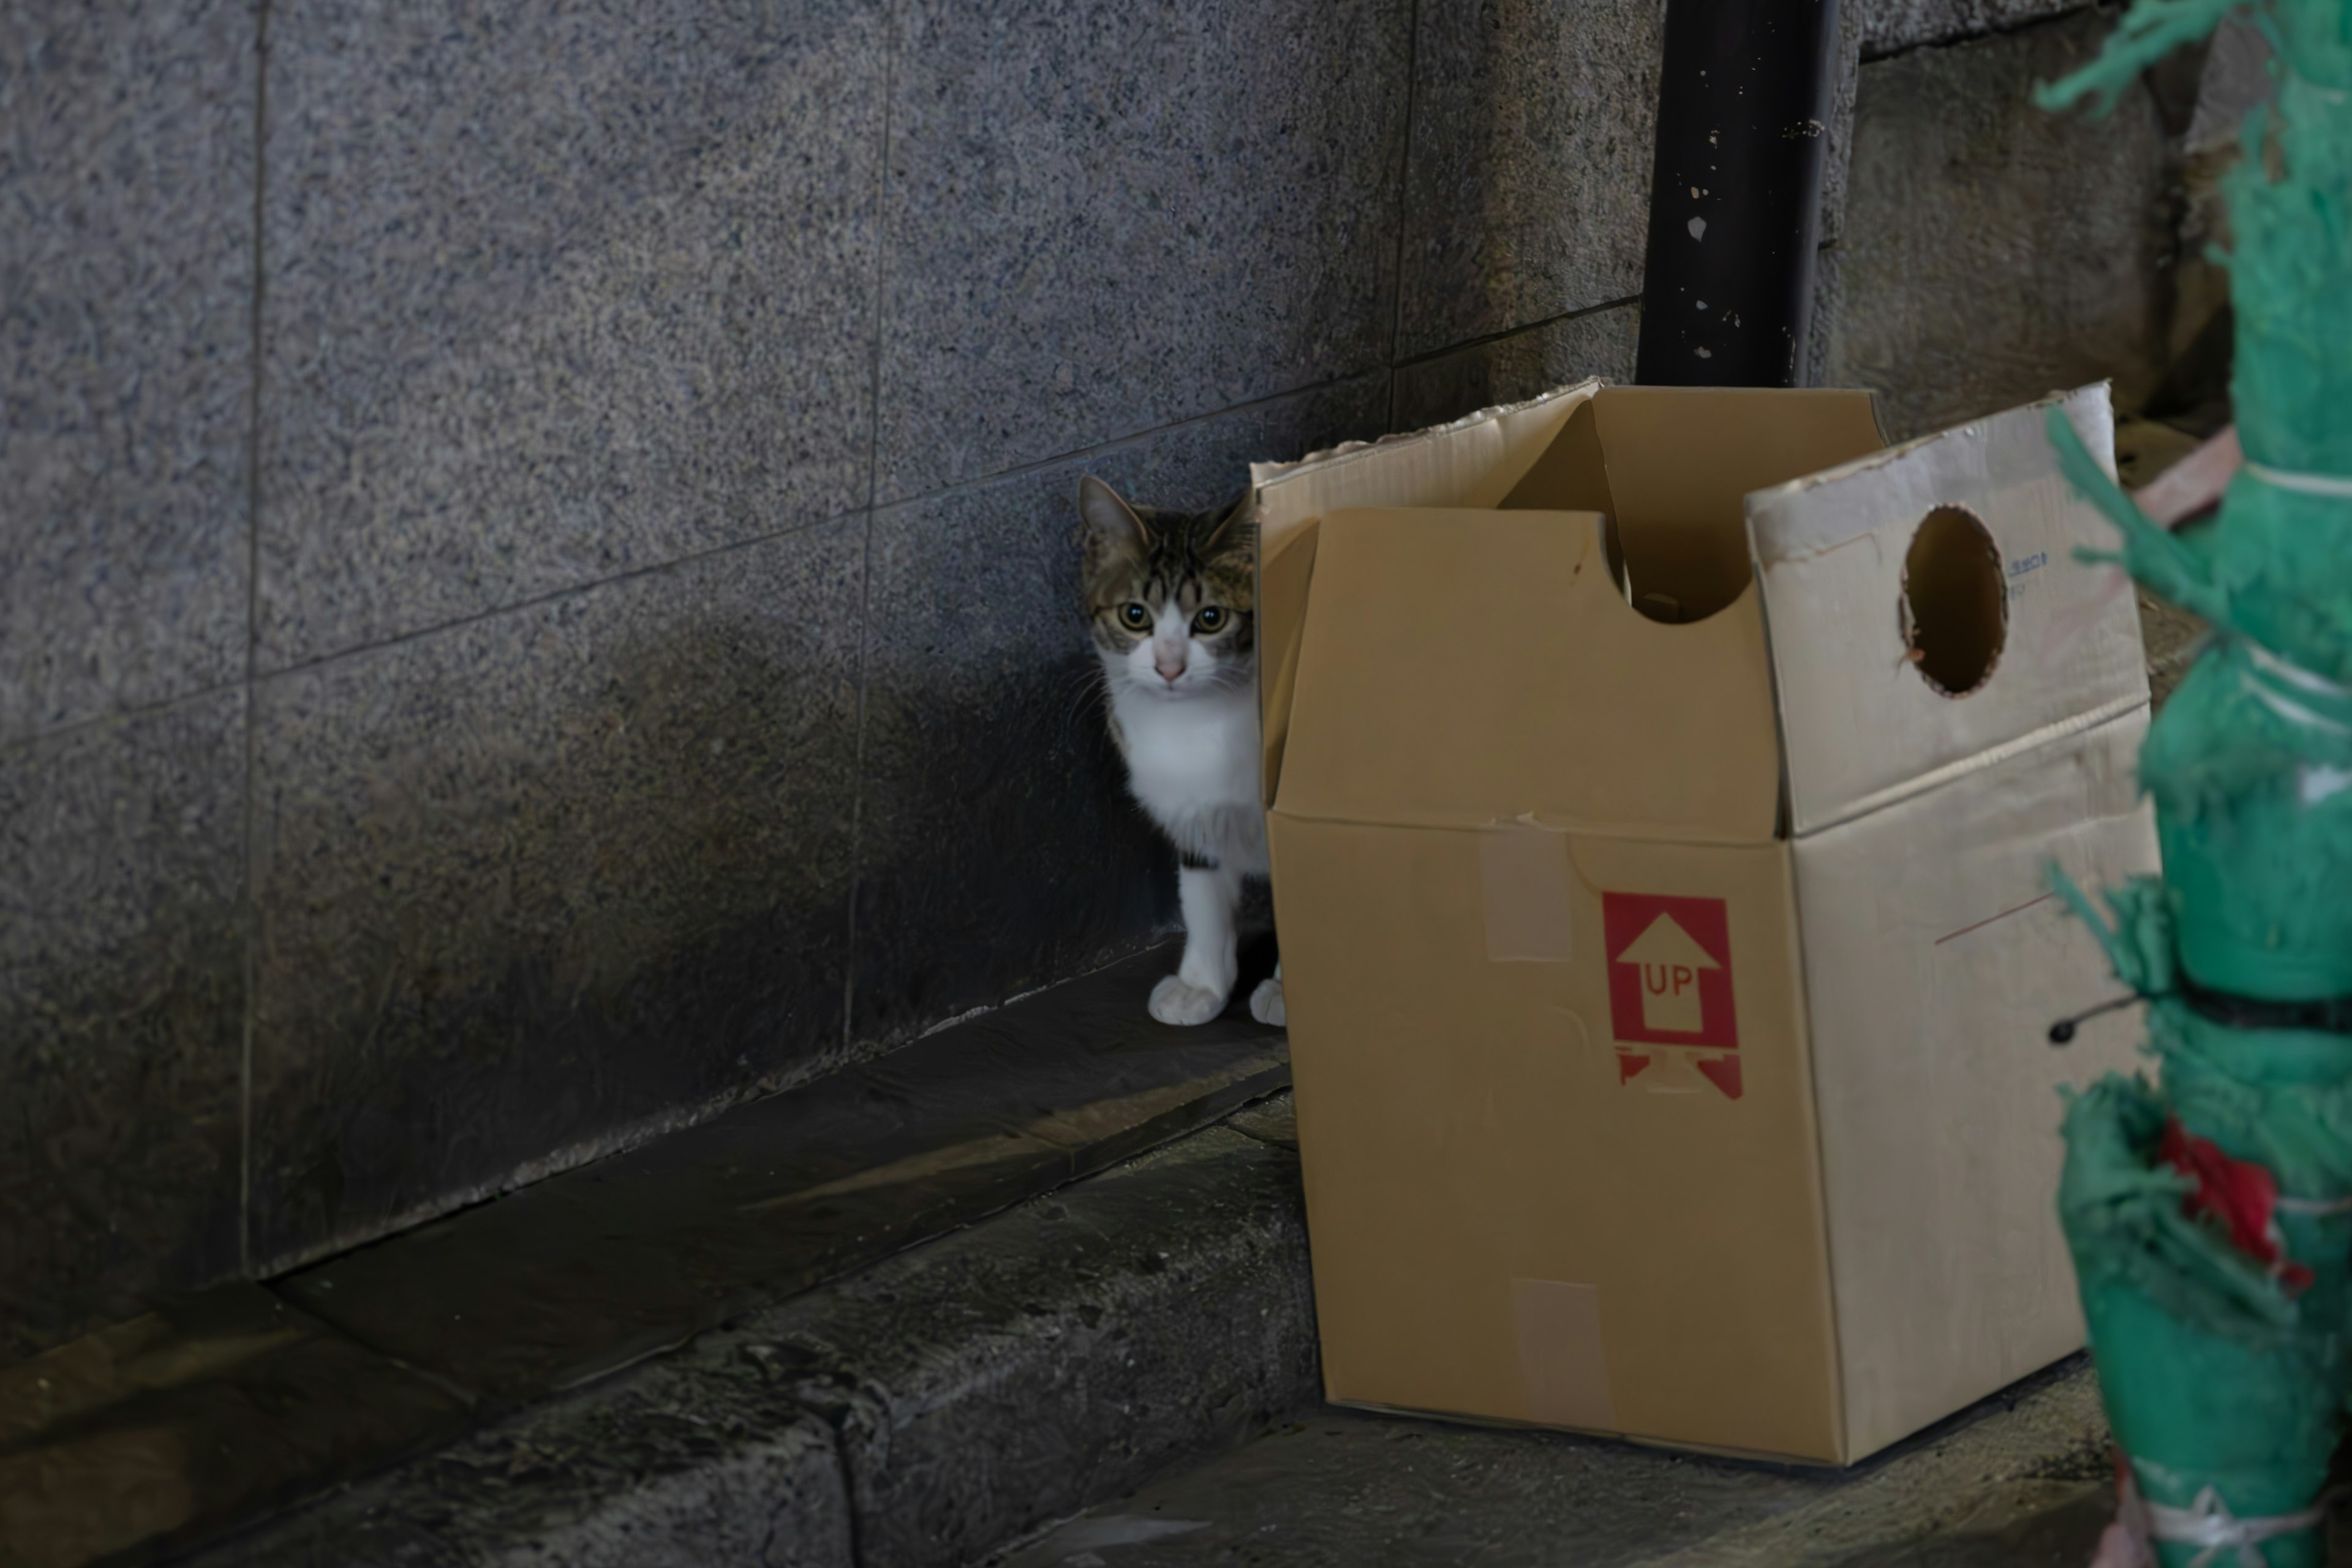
(1954, 610)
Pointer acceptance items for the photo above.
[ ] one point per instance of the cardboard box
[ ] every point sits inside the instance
(1668, 998)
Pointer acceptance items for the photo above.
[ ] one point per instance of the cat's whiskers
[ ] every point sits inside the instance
(1093, 694)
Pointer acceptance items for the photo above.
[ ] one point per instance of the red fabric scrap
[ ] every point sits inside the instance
(2240, 1193)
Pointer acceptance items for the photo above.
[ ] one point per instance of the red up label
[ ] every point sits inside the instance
(1670, 980)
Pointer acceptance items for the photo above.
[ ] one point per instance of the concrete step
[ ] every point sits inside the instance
(921, 1412)
(1122, 1375)
(211, 1411)
(2022, 1480)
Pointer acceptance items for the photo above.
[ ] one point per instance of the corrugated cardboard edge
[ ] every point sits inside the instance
(1631, 832)
(1500, 1424)
(1263, 474)
(1277, 670)
(1841, 1430)
(1759, 560)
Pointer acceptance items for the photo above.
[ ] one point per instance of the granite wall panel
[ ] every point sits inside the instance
(1993, 251)
(556, 291)
(122, 1013)
(532, 886)
(126, 375)
(1105, 218)
(1528, 193)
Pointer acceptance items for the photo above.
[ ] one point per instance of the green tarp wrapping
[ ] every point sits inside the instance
(2206, 1211)
(2215, 1374)
(2250, 764)
(2220, 1369)
(2247, 764)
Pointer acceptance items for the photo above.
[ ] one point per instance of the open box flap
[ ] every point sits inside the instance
(1927, 614)
(1672, 468)
(1472, 462)
(1681, 460)
(1462, 667)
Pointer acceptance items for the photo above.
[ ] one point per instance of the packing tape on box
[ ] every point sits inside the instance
(1563, 1368)
(1523, 879)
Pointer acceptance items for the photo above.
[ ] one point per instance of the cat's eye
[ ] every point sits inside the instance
(1210, 621)
(1135, 618)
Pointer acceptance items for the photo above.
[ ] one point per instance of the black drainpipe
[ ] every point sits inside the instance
(1736, 194)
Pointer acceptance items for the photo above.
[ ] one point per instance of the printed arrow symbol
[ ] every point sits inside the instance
(1666, 943)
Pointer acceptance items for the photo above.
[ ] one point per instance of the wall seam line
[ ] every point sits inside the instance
(249, 903)
(1403, 203)
(890, 45)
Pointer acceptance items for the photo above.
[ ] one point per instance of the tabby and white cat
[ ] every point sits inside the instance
(1171, 599)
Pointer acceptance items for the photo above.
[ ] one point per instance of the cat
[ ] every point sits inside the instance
(1171, 601)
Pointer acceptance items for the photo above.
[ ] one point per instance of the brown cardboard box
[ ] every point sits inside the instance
(1667, 996)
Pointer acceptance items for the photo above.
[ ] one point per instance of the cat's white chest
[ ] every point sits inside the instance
(1201, 752)
(1194, 764)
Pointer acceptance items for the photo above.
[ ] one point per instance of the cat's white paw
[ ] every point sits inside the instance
(1175, 1002)
(1266, 1003)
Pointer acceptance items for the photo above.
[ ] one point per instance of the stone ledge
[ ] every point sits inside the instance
(211, 1413)
(921, 1412)
(2023, 1477)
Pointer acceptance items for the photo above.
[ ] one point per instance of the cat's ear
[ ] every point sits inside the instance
(1111, 523)
(1237, 530)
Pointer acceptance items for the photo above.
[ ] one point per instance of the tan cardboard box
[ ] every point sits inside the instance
(1668, 986)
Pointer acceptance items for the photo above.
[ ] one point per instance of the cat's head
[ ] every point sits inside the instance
(1170, 595)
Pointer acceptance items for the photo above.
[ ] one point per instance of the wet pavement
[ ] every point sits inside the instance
(2021, 1479)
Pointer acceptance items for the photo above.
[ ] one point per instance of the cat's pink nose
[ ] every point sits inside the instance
(1169, 669)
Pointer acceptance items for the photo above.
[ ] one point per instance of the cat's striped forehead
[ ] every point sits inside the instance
(1188, 559)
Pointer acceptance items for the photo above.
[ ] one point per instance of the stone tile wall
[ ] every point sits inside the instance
(1990, 252)
(535, 537)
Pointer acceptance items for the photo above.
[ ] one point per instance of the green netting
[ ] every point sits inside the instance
(2213, 1375)
(2222, 1358)
(2281, 1098)
(2127, 1222)
(2216, 1373)
(2251, 763)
